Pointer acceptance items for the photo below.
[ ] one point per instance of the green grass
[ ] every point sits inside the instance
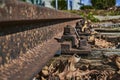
(88, 14)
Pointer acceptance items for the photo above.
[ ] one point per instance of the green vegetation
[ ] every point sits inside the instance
(112, 13)
(91, 17)
(32, 1)
(103, 12)
(96, 12)
(62, 4)
(89, 13)
(23, 0)
(86, 7)
(103, 4)
(85, 14)
(100, 4)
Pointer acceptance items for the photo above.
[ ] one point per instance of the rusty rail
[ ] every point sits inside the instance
(27, 65)
(27, 35)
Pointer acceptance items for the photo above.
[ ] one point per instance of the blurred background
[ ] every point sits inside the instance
(75, 4)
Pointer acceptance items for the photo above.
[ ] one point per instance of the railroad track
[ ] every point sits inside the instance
(96, 59)
(28, 65)
(27, 24)
(94, 62)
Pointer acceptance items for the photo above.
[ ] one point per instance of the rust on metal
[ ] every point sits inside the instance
(28, 65)
(75, 39)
